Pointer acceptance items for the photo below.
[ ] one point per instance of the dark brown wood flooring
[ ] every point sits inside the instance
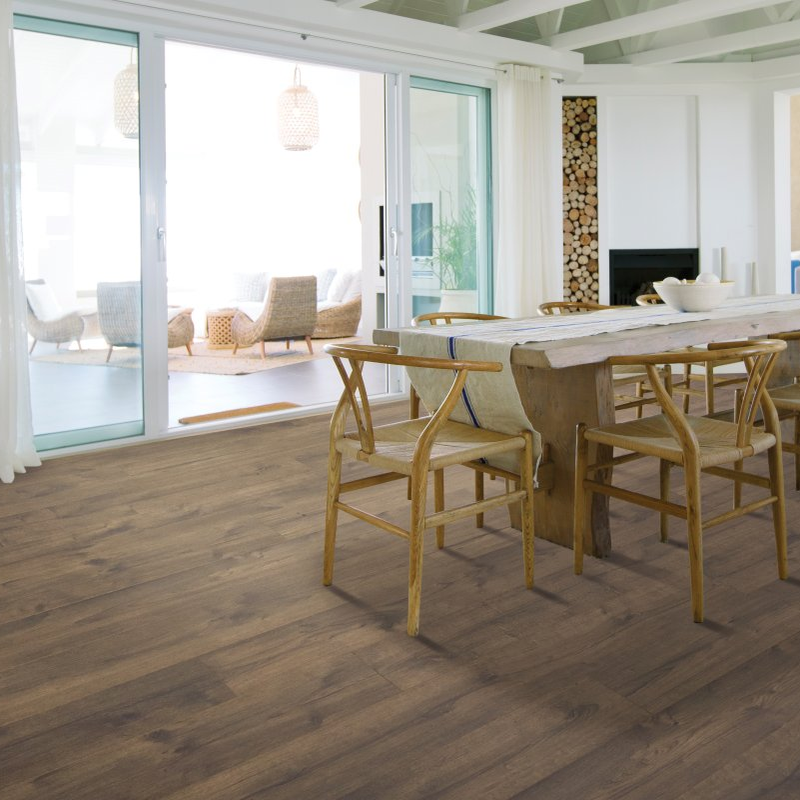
(164, 634)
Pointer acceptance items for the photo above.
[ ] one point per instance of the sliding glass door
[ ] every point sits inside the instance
(451, 227)
(77, 90)
(278, 188)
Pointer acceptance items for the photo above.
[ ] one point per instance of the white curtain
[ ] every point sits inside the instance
(529, 252)
(16, 427)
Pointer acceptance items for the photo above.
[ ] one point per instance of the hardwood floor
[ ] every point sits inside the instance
(164, 634)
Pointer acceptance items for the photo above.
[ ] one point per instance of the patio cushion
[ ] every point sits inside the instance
(43, 302)
(249, 286)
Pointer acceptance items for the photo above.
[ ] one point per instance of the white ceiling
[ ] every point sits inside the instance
(637, 32)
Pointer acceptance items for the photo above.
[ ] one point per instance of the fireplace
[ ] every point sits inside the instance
(632, 272)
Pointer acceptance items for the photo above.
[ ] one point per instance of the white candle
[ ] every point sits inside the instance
(723, 263)
(753, 278)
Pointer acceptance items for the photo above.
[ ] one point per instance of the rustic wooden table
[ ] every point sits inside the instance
(567, 381)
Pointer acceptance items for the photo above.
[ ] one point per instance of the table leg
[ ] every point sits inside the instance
(555, 401)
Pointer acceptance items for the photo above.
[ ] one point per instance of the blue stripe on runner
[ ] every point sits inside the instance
(451, 349)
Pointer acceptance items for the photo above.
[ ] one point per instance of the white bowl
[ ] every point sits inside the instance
(691, 296)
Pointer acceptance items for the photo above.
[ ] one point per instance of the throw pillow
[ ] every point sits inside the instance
(250, 287)
(43, 302)
(324, 280)
(339, 286)
(353, 288)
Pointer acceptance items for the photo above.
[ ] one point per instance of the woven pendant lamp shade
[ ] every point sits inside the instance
(298, 117)
(126, 102)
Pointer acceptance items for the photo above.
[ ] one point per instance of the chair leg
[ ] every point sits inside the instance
(580, 497)
(108, 354)
(687, 384)
(331, 514)
(438, 503)
(528, 529)
(310, 347)
(775, 460)
(694, 521)
(235, 348)
(709, 388)
(640, 396)
(30, 352)
(479, 495)
(797, 451)
(188, 349)
(263, 350)
(664, 474)
(80, 348)
(415, 549)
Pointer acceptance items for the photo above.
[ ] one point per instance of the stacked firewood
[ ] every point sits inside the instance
(579, 126)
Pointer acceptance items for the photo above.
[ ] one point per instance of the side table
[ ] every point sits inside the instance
(218, 326)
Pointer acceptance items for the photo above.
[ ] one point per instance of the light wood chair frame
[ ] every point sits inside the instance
(787, 401)
(555, 307)
(648, 299)
(755, 404)
(354, 401)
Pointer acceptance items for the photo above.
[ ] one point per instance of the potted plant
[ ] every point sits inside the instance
(455, 257)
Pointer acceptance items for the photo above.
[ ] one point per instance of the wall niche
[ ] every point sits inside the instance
(579, 129)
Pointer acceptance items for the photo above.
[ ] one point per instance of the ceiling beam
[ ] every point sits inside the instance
(672, 16)
(745, 40)
(550, 23)
(509, 11)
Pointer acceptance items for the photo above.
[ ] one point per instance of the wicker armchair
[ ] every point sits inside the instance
(65, 328)
(290, 312)
(339, 321)
(119, 314)
(180, 330)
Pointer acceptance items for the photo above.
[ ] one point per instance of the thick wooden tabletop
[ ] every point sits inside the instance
(595, 349)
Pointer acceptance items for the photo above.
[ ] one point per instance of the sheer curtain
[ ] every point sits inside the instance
(16, 426)
(529, 252)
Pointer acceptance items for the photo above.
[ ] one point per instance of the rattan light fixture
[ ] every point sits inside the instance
(298, 116)
(126, 100)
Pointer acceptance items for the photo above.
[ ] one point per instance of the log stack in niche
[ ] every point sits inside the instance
(579, 126)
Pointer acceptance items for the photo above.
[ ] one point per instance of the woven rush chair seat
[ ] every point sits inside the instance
(412, 450)
(698, 445)
(395, 445)
(655, 436)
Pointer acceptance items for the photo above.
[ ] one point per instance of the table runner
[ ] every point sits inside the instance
(491, 400)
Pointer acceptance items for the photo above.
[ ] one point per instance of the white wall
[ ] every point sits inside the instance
(679, 166)
(652, 189)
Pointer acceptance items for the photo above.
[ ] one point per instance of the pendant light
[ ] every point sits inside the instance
(298, 116)
(126, 100)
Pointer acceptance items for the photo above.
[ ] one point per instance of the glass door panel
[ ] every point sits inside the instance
(245, 206)
(77, 93)
(450, 199)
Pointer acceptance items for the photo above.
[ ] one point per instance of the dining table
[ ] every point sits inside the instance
(559, 368)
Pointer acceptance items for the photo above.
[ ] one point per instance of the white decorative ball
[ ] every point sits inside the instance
(669, 281)
(707, 277)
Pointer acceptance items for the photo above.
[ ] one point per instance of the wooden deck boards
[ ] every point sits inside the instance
(164, 634)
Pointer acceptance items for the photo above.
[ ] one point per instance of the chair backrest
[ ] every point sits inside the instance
(290, 309)
(648, 300)
(448, 317)
(350, 360)
(570, 307)
(758, 357)
(119, 312)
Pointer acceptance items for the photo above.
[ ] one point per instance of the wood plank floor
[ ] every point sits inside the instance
(164, 634)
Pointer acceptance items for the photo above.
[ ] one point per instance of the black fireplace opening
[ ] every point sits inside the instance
(632, 272)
